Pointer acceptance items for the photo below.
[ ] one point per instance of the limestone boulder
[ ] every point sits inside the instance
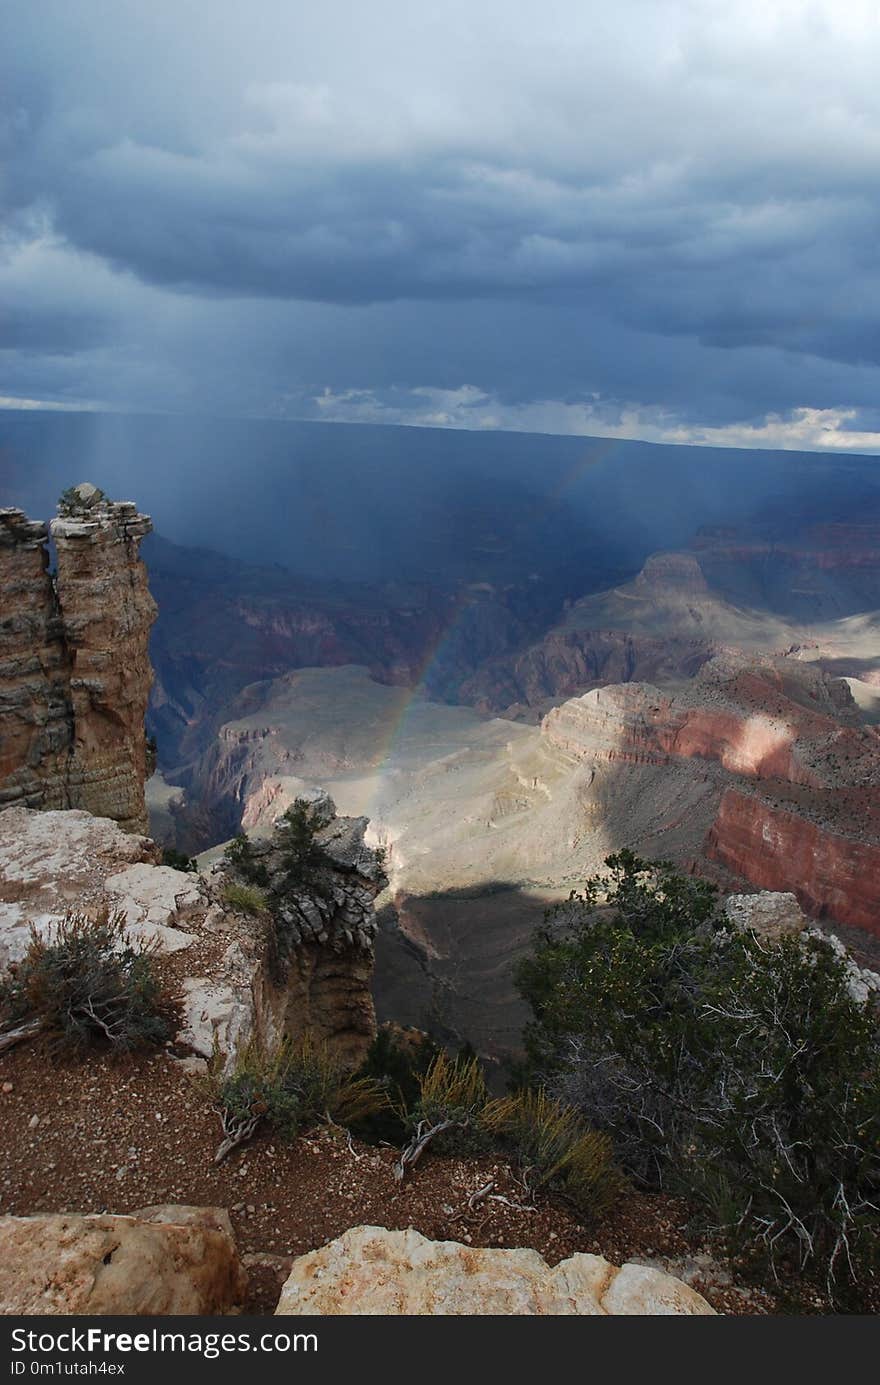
(772, 914)
(372, 1271)
(168, 1260)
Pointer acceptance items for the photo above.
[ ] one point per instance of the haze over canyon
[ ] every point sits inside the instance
(513, 664)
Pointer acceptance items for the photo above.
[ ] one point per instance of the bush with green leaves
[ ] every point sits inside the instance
(300, 855)
(740, 1070)
(178, 860)
(554, 1148)
(398, 1059)
(242, 860)
(87, 984)
(290, 1088)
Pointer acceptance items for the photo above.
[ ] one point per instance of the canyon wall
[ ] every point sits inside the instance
(775, 847)
(793, 777)
(763, 721)
(74, 666)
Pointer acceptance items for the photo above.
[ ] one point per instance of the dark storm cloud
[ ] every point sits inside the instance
(666, 203)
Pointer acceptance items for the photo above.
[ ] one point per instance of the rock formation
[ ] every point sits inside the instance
(372, 1271)
(165, 1260)
(771, 915)
(74, 669)
(792, 776)
(762, 720)
(323, 927)
(777, 914)
(221, 964)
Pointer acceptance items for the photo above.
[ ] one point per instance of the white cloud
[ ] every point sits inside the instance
(802, 429)
(12, 401)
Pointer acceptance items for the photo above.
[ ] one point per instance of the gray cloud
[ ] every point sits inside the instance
(663, 203)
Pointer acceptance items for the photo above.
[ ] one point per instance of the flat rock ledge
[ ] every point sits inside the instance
(163, 1260)
(371, 1271)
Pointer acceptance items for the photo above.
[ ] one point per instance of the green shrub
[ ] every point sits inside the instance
(397, 1059)
(245, 898)
(300, 856)
(737, 1069)
(242, 860)
(554, 1148)
(290, 1088)
(255, 1091)
(177, 860)
(327, 1090)
(87, 985)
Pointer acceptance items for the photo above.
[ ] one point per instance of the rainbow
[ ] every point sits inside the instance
(598, 452)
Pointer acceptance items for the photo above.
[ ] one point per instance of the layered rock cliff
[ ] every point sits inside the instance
(794, 778)
(74, 668)
(795, 844)
(767, 719)
(319, 881)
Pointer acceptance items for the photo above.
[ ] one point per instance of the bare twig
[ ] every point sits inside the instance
(419, 1143)
(517, 1206)
(236, 1129)
(478, 1196)
(11, 1037)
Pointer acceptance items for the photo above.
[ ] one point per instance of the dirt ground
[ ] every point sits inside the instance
(96, 1136)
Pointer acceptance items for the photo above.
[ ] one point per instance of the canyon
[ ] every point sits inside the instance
(715, 709)
(666, 715)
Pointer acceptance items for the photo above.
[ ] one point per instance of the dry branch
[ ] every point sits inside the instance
(10, 1037)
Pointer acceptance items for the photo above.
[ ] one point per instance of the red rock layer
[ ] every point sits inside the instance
(747, 721)
(774, 848)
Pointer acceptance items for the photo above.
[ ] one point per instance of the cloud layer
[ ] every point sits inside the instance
(660, 215)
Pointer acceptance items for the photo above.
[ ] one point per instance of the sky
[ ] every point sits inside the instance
(652, 219)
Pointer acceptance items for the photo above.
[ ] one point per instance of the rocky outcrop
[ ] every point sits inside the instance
(219, 964)
(323, 927)
(791, 844)
(166, 1260)
(74, 669)
(370, 1271)
(777, 914)
(762, 720)
(770, 914)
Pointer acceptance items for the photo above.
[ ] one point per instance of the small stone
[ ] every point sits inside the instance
(33, 1122)
(7, 1088)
